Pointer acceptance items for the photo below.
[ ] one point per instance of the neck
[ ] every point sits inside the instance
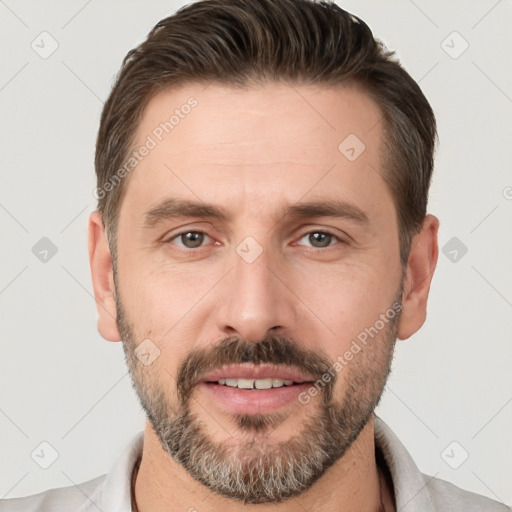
(352, 483)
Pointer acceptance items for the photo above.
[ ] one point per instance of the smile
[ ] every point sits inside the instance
(255, 383)
(255, 389)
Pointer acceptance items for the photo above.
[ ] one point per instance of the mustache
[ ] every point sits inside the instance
(273, 349)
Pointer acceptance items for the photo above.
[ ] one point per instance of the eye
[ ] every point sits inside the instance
(189, 239)
(320, 239)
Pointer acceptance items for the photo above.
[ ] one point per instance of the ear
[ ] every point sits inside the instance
(420, 270)
(102, 278)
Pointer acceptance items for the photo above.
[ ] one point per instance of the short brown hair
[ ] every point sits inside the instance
(244, 42)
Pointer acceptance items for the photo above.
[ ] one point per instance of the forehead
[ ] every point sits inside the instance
(212, 115)
(275, 142)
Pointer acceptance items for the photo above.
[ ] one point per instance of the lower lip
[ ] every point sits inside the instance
(254, 401)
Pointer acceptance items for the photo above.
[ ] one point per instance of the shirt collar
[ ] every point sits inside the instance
(409, 484)
(113, 495)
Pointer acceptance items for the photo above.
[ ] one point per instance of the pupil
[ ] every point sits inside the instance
(320, 239)
(193, 239)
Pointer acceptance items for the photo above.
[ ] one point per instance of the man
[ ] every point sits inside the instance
(260, 243)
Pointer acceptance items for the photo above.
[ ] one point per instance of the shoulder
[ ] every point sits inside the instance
(416, 491)
(450, 498)
(67, 499)
(108, 492)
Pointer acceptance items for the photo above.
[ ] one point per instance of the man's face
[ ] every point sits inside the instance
(303, 259)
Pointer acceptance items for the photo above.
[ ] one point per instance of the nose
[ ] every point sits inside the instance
(255, 300)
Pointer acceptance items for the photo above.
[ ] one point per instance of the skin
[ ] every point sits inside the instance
(252, 152)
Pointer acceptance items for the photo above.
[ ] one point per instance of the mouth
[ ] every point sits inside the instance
(254, 383)
(254, 389)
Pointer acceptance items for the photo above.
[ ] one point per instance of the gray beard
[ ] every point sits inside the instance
(257, 471)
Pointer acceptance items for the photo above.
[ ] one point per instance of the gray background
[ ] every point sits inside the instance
(62, 384)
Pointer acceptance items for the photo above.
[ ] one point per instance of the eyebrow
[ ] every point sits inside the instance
(329, 208)
(172, 208)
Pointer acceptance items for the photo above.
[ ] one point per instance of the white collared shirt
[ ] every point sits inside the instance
(414, 491)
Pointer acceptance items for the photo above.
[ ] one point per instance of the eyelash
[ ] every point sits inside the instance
(323, 232)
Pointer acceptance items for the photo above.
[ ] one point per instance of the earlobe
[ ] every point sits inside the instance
(420, 270)
(102, 278)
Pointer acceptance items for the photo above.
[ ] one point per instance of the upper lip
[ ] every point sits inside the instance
(260, 371)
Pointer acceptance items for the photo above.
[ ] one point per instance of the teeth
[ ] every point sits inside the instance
(246, 383)
(255, 383)
(263, 383)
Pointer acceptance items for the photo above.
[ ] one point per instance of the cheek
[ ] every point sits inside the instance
(159, 293)
(162, 303)
(347, 300)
